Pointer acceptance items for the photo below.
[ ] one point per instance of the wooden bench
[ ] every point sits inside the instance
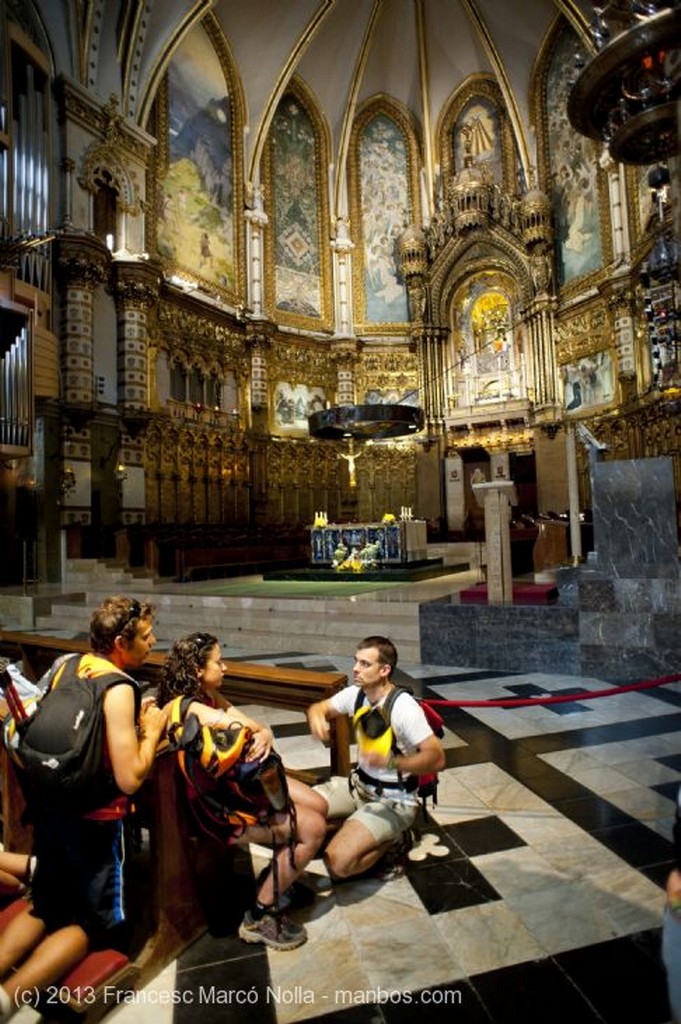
(174, 905)
(171, 898)
(244, 682)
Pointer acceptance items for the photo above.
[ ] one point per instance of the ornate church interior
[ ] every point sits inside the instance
(270, 265)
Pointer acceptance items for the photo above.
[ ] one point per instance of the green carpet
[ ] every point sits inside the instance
(289, 588)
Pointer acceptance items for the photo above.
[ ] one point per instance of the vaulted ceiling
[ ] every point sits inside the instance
(418, 52)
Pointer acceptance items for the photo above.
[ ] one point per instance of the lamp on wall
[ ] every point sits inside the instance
(67, 480)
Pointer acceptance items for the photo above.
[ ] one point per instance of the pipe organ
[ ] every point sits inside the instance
(15, 383)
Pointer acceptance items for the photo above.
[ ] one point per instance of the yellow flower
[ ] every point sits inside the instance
(388, 517)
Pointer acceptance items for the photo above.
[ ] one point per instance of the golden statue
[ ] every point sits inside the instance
(351, 457)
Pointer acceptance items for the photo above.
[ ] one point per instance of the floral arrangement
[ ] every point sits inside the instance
(355, 561)
(388, 517)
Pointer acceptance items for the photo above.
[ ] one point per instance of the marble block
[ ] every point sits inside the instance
(634, 517)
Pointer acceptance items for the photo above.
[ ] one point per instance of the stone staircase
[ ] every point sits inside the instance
(247, 625)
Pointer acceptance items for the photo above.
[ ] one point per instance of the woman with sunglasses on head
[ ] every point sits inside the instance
(194, 668)
(77, 893)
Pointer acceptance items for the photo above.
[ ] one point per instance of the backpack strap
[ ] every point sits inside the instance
(98, 670)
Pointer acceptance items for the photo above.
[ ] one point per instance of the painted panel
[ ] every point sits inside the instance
(297, 259)
(588, 382)
(196, 222)
(574, 171)
(293, 404)
(482, 119)
(385, 211)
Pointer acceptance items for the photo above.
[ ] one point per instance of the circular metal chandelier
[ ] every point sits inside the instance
(627, 95)
(366, 422)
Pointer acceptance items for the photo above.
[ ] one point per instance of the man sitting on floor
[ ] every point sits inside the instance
(379, 801)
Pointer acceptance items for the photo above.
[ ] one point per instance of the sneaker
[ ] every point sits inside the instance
(273, 930)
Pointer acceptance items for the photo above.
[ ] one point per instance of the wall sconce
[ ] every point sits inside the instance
(121, 471)
(67, 480)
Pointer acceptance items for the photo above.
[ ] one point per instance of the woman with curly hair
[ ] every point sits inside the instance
(194, 668)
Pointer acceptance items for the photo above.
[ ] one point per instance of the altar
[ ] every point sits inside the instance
(399, 543)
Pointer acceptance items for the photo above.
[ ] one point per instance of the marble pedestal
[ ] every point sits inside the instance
(617, 617)
(496, 497)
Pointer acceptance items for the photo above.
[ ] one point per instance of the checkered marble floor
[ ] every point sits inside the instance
(533, 895)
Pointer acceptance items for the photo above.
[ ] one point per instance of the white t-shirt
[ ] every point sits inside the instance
(408, 721)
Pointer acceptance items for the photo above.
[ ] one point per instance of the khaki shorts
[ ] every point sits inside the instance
(386, 819)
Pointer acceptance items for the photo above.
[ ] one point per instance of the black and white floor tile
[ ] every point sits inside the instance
(534, 894)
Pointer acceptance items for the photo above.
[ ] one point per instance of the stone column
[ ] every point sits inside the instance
(344, 356)
(257, 220)
(82, 264)
(342, 248)
(135, 288)
(620, 307)
(496, 498)
(258, 342)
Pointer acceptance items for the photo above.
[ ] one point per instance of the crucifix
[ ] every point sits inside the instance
(351, 456)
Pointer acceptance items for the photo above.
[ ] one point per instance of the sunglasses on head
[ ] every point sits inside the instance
(202, 640)
(133, 612)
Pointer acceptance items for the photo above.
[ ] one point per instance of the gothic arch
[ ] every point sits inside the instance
(103, 167)
(463, 257)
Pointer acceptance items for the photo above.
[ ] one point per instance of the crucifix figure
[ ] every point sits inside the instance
(351, 457)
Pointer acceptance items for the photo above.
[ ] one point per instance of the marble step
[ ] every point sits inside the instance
(261, 623)
(105, 576)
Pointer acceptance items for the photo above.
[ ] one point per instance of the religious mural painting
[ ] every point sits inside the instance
(478, 132)
(574, 172)
(391, 396)
(298, 272)
(195, 229)
(385, 210)
(293, 403)
(588, 382)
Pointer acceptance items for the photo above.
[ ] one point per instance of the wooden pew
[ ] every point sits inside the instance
(244, 683)
(171, 898)
(176, 915)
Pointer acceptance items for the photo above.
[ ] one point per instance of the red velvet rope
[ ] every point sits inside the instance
(561, 698)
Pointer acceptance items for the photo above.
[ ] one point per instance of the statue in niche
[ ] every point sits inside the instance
(541, 273)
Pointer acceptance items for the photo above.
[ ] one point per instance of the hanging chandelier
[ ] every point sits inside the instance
(627, 95)
(366, 422)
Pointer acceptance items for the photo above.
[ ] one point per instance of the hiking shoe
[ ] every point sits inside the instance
(273, 930)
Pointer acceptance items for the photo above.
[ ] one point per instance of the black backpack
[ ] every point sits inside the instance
(427, 784)
(58, 748)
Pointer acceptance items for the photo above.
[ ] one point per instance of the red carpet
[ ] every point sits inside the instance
(523, 593)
